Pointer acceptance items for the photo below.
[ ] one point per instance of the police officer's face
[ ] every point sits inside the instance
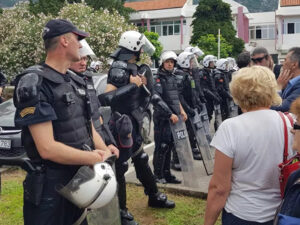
(73, 47)
(168, 64)
(80, 66)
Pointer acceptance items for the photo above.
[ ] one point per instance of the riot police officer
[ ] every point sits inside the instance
(52, 109)
(126, 93)
(189, 95)
(167, 108)
(208, 85)
(80, 68)
(222, 85)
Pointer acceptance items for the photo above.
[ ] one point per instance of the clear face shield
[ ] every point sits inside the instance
(194, 62)
(148, 48)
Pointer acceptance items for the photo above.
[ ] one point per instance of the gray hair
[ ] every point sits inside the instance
(295, 56)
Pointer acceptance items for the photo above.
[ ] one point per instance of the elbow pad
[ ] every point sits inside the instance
(161, 105)
(108, 98)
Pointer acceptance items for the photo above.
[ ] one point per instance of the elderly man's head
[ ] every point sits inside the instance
(254, 87)
(292, 61)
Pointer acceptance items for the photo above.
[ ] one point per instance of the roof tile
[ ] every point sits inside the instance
(289, 2)
(155, 4)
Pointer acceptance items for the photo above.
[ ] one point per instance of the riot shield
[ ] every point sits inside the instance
(107, 215)
(203, 145)
(218, 116)
(205, 121)
(189, 167)
(233, 108)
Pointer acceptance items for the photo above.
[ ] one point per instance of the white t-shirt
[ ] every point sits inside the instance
(255, 141)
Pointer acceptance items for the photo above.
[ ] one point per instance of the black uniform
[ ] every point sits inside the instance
(102, 129)
(43, 94)
(222, 85)
(190, 101)
(166, 102)
(209, 90)
(131, 100)
(3, 81)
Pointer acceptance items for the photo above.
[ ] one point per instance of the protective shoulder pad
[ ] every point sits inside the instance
(27, 90)
(118, 74)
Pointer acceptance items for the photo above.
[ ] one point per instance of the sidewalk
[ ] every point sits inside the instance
(200, 192)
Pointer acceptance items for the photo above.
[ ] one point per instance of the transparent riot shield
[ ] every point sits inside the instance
(203, 145)
(205, 121)
(107, 215)
(189, 167)
(233, 108)
(218, 116)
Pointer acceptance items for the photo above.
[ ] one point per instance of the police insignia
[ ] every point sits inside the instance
(27, 111)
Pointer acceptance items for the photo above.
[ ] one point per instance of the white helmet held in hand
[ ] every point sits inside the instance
(135, 41)
(222, 64)
(184, 59)
(197, 51)
(231, 63)
(208, 59)
(167, 55)
(91, 187)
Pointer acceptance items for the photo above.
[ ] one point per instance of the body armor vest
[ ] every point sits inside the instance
(69, 101)
(170, 91)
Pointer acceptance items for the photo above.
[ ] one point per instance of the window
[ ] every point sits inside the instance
(297, 27)
(258, 32)
(166, 28)
(291, 28)
(266, 32)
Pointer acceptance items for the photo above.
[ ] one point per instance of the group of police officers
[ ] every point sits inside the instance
(62, 128)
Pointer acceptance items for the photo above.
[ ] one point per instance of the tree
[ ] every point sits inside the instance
(153, 38)
(21, 43)
(46, 6)
(209, 44)
(212, 15)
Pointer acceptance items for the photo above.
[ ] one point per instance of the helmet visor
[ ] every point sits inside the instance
(194, 62)
(148, 48)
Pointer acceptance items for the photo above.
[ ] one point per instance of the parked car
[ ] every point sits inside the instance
(10, 136)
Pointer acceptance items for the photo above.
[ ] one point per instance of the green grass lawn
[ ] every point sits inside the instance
(188, 211)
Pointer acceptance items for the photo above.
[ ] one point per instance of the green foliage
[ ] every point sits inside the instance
(111, 5)
(212, 15)
(21, 43)
(209, 44)
(1, 10)
(46, 6)
(153, 38)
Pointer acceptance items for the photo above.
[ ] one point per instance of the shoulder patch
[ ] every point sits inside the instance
(27, 111)
(157, 80)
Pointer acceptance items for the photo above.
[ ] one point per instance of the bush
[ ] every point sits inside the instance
(21, 44)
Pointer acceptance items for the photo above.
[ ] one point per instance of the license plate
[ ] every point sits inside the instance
(5, 144)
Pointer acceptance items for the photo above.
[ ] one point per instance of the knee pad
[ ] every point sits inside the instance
(164, 147)
(122, 167)
(141, 158)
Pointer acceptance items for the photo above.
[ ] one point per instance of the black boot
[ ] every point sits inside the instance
(175, 165)
(159, 162)
(196, 154)
(167, 172)
(160, 200)
(127, 218)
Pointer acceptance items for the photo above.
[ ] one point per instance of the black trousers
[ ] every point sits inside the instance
(53, 208)
(140, 161)
(163, 146)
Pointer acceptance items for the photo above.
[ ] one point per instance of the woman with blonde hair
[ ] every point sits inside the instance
(249, 147)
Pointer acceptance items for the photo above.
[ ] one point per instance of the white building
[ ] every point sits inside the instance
(288, 26)
(262, 32)
(172, 20)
